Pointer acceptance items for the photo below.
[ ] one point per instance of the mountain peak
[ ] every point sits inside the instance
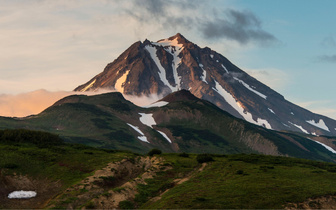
(176, 40)
(179, 37)
(175, 63)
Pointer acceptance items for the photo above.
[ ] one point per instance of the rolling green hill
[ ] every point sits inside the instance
(77, 176)
(181, 123)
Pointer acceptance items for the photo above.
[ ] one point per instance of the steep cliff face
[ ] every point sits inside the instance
(173, 64)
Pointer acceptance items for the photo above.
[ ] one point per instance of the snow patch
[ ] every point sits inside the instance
(249, 88)
(143, 137)
(88, 86)
(325, 146)
(22, 194)
(162, 71)
(225, 68)
(300, 127)
(174, 48)
(271, 110)
(203, 77)
(147, 119)
(217, 61)
(292, 113)
(119, 85)
(237, 106)
(165, 136)
(314, 134)
(211, 56)
(157, 104)
(286, 125)
(320, 124)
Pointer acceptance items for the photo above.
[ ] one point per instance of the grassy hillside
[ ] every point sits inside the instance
(42, 162)
(191, 124)
(65, 175)
(250, 182)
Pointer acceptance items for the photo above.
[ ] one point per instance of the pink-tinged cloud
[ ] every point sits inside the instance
(35, 102)
(25, 104)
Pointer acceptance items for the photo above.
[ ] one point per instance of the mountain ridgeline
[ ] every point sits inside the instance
(180, 122)
(173, 64)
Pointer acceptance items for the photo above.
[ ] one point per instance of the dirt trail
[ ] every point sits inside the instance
(110, 185)
(180, 181)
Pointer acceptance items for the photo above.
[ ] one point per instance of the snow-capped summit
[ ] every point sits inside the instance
(173, 64)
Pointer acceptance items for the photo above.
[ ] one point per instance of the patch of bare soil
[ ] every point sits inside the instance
(44, 188)
(323, 202)
(109, 186)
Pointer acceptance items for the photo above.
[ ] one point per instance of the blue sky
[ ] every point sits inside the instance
(57, 45)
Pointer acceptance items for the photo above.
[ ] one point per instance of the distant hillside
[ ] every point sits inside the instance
(179, 122)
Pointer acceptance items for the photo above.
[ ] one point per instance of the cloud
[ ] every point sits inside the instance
(327, 58)
(43, 52)
(328, 41)
(323, 107)
(32, 103)
(272, 77)
(25, 104)
(241, 26)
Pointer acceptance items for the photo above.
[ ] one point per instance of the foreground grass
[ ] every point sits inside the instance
(229, 182)
(69, 163)
(250, 182)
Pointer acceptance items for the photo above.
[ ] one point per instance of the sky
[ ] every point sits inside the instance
(49, 47)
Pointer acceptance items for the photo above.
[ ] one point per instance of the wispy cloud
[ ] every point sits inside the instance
(327, 58)
(241, 26)
(323, 107)
(328, 41)
(32, 103)
(60, 44)
(272, 77)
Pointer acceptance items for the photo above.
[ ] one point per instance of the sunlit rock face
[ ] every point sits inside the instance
(175, 63)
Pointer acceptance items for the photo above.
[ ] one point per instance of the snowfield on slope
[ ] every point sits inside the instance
(147, 119)
(88, 86)
(326, 146)
(236, 105)
(203, 77)
(249, 88)
(162, 71)
(320, 124)
(22, 194)
(121, 82)
(143, 137)
(165, 136)
(300, 127)
(173, 48)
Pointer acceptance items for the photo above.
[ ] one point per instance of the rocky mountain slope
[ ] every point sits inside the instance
(180, 122)
(175, 63)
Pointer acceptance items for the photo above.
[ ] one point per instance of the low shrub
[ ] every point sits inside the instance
(154, 152)
(203, 158)
(184, 155)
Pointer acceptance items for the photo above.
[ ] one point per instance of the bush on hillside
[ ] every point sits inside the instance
(203, 158)
(154, 152)
(39, 138)
(184, 155)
